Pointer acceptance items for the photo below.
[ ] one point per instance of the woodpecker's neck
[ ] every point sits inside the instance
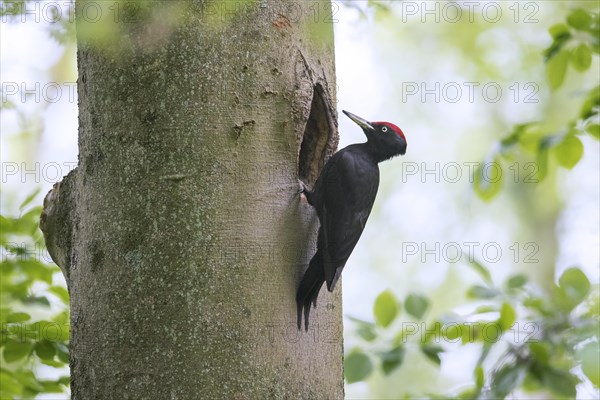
(379, 151)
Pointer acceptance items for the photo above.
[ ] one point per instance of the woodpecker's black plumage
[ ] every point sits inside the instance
(343, 197)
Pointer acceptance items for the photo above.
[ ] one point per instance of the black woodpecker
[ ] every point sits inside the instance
(343, 197)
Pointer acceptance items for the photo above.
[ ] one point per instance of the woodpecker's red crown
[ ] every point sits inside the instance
(391, 126)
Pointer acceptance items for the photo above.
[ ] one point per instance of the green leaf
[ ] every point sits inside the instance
(60, 292)
(365, 329)
(392, 359)
(581, 57)
(485, 352)
(385, 308)
(62, 351)
(28, 223)
(52, 387)
(483, 271)
(531, 383)
(574, 285)
(40, 300)
(537, 304)
(367, 333)
(14, 350)
(579, 19)
(525, 135)
(37, 270)
(487, 179)
(52, 363)
(432, 352)
(515, 135)
(556, 69)
(479, 376)
(589, 356)
(65, 380)
(560, 382)
(489, 332)
(508, 316)
(561, 35)
(485, 309)
(466, 332)
(357, 366)
(469, 393)
(29, 381)
(506, 380)
(542, 163)
(591, 103)
(55, 331)
(29, 199)
(10, 387)
(416, 305)
(540, 352)
(481, 292)
(594, 130)
(45, 350)
(558, 30)
(18, 317)
(516, 281)
(452, 331)
(569, 151)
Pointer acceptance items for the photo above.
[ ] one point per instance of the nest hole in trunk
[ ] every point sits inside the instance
(317, 134)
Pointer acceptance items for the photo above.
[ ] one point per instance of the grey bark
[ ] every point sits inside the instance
(180, 232)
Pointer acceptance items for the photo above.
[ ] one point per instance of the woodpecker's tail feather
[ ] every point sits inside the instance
(309, 288)
(338, 273)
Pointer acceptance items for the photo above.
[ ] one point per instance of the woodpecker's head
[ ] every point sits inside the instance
(387, 138)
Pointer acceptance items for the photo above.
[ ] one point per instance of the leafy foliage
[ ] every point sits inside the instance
(529, 339)
(385, 309)
(34, 315)
(357, 366)
(575, 43)
(542, 344)
(416, 305)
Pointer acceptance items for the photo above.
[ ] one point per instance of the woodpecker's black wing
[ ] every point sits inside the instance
(343, 197)
(347, 188)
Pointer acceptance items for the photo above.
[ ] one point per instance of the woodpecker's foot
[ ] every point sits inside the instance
(301, 187)
(301, 190)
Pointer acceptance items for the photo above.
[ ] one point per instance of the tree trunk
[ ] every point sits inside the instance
(181, 233)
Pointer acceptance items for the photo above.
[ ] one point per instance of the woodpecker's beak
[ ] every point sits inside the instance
(363, 123)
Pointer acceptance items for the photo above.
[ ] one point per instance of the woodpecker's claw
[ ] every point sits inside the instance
(301, 191)
(301, 187)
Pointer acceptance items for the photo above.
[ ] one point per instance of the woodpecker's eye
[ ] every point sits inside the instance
(384, 129)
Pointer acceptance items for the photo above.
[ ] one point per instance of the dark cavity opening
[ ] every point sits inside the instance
(316, 136)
